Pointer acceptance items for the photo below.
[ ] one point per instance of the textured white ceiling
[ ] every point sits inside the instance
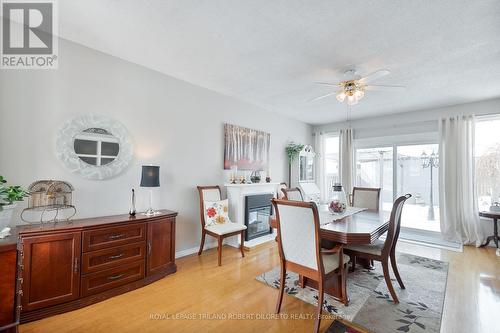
(270, 52)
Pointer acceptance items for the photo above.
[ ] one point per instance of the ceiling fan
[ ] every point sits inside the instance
(353, 88)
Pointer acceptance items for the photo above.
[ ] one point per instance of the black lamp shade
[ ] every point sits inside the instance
(150, 176)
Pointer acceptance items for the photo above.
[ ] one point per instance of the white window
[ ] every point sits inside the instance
(487, 160)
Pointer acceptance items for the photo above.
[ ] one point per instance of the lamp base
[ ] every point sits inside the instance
(151, 212)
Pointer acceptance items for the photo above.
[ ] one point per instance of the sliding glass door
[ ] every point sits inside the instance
(374, 168)
(399, 169)
(417, 174)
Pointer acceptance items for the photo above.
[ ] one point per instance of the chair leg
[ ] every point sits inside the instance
(343, 278)
(242, 243)
(395, 270)
(353, 260)
(387, 277)
(219, 249)
(202, 244)
(282, 288)
(317, 322)
(302, 281)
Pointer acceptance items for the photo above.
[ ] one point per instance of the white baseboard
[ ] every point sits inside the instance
(186, 252)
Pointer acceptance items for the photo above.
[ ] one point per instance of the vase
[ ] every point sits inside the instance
(337, 201)
(6, 215)
(132, 204)
(255, 177)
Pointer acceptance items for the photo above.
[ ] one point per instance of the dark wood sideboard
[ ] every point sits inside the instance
(68, 265)
(9, 297)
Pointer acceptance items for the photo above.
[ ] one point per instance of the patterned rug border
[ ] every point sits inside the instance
(409, 317)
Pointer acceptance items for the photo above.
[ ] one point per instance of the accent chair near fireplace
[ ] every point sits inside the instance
(219, 231)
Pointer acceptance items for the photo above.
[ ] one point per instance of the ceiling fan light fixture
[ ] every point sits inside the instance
(341, 96)
(352, 100)
(353, 90)
(359, 94)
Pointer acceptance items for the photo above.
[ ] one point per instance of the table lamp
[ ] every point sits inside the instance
(150, 178)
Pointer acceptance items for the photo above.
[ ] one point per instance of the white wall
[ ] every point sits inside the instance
(173, 124)
(414, 122)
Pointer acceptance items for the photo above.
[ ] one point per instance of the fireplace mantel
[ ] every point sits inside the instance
(236, 194)
(250, 185)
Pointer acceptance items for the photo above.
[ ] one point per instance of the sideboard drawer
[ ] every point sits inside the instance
(108, 258)
(109, 237)
(97, 282)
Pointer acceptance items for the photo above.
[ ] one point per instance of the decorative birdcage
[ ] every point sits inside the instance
(49, 196)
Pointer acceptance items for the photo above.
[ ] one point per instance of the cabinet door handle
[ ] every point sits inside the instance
(149, 248)
(116, 236)
(75, 265)
(118, 256)
(115, 277)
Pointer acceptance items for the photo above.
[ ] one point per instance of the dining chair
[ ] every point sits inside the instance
(280, 194)
(219, 231)
(293, 194)
(366, 197)
(383, 250)
(299, 246)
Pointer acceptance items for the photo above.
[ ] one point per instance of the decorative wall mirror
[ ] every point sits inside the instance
(95, 147)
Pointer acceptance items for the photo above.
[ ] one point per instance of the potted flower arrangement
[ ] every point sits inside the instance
(292, 151)
(9, 195)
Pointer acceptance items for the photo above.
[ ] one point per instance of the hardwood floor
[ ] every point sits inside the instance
(200, 288)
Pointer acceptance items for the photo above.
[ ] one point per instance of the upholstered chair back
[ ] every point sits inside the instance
(207, 193)
(293, 194)
(395, 223)
(298, 229)
(211, 194)
(368, 198)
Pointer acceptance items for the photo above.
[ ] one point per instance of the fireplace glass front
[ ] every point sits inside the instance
(258, 209)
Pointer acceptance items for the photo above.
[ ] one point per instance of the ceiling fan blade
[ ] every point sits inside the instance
(321, 97)
(328, 84)
(375, 75)
(384, 88)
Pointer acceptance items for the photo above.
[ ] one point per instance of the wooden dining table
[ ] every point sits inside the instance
(360, 228)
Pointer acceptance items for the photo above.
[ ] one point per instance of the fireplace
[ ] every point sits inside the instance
(258, 209)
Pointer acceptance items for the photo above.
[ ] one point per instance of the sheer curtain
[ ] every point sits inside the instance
(319, 149)
(457, 197)
(346, 159)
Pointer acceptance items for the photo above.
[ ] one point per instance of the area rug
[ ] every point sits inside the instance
(420, 304)
(341, 326)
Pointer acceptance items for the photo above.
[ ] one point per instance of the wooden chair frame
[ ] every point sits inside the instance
(279, 193)
(317, 275)
(292, 189)
(389, 249)
(374, 189)
(205, 232)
